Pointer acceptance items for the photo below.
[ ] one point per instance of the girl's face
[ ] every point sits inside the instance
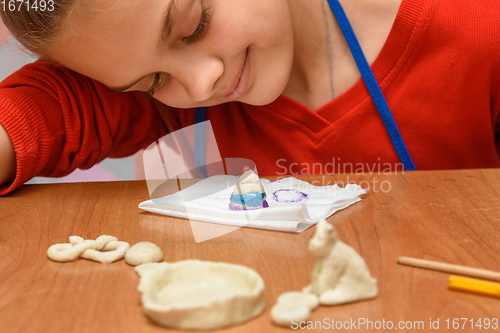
(190, 52)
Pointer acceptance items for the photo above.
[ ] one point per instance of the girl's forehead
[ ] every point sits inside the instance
(103, 47)
(131, 15)
(112, 17)
(111, 12)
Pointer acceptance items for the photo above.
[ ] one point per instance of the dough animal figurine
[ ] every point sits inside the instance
(340, 274)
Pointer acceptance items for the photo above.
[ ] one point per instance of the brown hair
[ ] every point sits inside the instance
(38, 31)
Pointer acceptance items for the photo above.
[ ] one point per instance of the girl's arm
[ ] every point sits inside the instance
(7, 157)
(58, 120)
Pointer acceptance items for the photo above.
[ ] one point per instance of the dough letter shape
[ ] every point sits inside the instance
(105, 249)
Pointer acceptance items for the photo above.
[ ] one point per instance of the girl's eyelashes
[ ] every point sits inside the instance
(202, 26)
(154, 86)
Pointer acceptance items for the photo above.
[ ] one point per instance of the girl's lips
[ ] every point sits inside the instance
(243, 81)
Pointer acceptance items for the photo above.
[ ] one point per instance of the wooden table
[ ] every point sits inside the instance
(449, 216)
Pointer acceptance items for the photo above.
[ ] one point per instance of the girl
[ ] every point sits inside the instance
(278, 77)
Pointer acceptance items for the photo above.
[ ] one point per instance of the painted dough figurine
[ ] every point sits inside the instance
(340, 274)
(249, 193)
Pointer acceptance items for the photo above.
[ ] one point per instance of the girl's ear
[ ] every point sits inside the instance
(4, 33)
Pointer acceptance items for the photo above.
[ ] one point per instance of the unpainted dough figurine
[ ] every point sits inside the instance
(340, 274)
(293, 305)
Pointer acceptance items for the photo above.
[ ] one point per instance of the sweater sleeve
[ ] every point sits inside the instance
(59, 120)
(495, 110)
(495, 102)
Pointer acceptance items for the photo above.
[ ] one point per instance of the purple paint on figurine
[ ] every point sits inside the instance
(237, 207)
(289, 195)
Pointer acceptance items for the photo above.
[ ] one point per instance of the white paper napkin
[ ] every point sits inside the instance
(294, 205)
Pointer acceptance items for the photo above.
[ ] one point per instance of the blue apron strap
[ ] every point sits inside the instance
(199, 142)
(372, 85)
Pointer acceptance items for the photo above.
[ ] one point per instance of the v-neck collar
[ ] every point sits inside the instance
(389, 59)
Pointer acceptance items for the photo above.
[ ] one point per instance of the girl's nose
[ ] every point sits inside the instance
(199, 77)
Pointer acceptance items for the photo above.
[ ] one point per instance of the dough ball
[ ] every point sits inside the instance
(282, 314)
(143, 252)
(297, 297)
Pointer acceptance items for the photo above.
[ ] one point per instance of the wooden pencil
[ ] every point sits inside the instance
(474, 286)
(450, 268)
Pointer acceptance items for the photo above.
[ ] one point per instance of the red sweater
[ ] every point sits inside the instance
(439, 71)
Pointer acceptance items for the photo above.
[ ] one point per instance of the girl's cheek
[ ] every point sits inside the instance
(177, 98)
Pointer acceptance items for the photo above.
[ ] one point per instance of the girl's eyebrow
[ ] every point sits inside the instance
(168, 26)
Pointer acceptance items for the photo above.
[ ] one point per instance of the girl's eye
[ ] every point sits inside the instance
(154, 86)
(202, 26)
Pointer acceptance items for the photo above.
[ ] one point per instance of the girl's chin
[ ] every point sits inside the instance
(261, 98)
(252, 97)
